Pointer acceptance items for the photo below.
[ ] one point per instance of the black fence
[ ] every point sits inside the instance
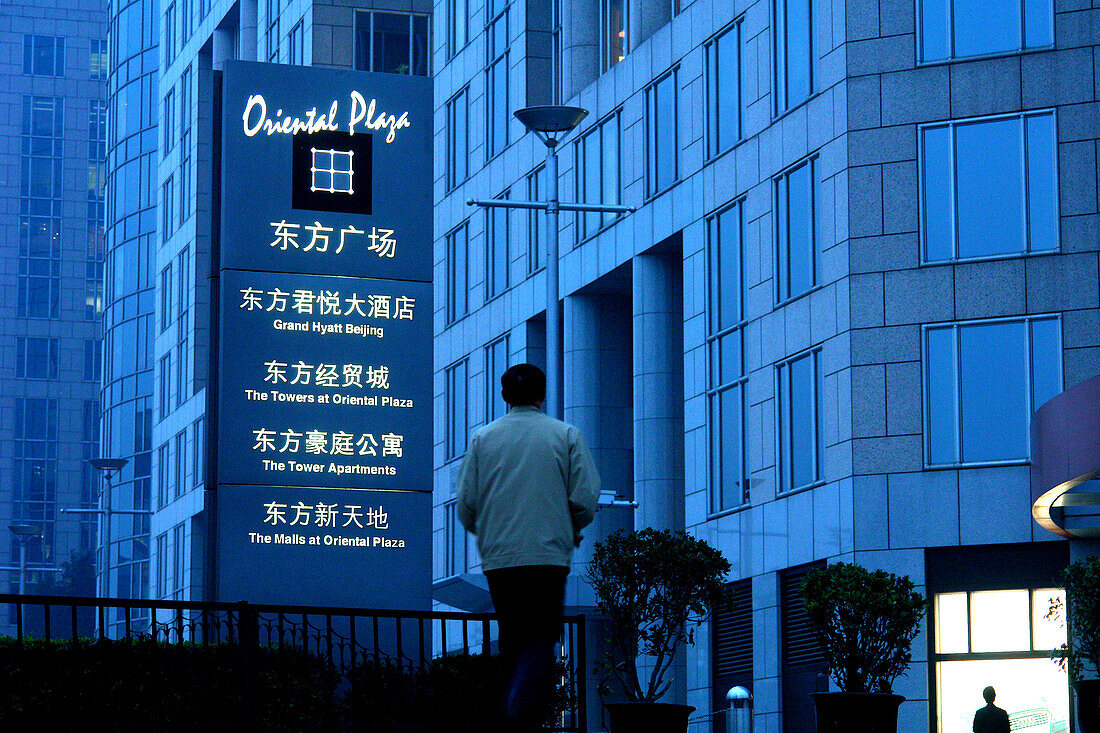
(173, 665)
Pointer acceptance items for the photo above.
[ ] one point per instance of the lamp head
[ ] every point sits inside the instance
(550, 120)
(108, 464)
(23, 531)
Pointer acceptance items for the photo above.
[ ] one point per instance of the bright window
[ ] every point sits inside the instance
(989, 187)
(613, 32)
(999, 638)
(960, 28)
(983, 380)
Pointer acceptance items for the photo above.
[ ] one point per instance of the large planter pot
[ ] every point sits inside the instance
(1087, 693)
(857, 712)
(648, 717)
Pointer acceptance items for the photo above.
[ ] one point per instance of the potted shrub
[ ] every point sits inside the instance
(652, 586)
(865, 622)
(1081, 653)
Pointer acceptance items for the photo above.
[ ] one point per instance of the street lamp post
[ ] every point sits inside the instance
(551, 123)
(109, 467)
(23, 532)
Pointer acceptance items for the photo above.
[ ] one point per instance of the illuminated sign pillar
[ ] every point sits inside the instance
(322, 408)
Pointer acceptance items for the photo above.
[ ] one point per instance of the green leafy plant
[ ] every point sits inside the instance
(1081, 580)
(865, 622)
(652, 586)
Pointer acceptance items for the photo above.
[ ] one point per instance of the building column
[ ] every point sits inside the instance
(646, 17)
(658, 391)
(580, 29)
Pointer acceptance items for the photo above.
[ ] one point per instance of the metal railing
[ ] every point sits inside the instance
(343, 639)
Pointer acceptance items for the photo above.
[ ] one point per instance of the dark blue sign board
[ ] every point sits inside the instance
(326, 172)
(328, 385)
(300, 546)
(324, 379)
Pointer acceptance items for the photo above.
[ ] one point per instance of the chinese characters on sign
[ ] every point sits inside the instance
(381, 241)
(324, 366)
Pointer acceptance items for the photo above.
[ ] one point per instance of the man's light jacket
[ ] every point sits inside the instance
(526, 488)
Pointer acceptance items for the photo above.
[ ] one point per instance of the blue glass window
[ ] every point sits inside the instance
(989, 187)
(983, 380)
(457, 409)
(799, 423)
(796, 231)
(662, 151)
(596, 166)
(724, 89)
(458, 281)
(792, 62)
(962, 28)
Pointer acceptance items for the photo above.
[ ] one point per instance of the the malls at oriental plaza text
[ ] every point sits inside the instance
(299, 523)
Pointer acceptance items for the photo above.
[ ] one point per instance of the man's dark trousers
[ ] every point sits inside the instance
(528, 602)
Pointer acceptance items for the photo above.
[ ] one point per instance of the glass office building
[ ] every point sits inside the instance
(864, 253)
(54, 127)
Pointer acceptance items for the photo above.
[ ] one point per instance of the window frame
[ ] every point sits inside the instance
(926, 433)
(452, 179)
(605, 33)
(781, 107)
(536, 225)
(922, 209)
(453, 20)
(365, 17)
(453, 438)
(495, 110)
(716, 386)
(492, 393)
(952, 57)
(779, 249)
(494, 239)
(580, 181)
(710, 55)
(654, 132)
(784, 468)
(457, 295)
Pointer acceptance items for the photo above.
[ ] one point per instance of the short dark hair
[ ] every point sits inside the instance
(523, 384)
(989, 694)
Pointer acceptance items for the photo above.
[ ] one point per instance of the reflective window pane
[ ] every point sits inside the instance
(986, 26)
(1042, 183)
(1038, 23)
(941, 390)
(796, 232)
(989, 165)
(803, 414)
(936, 172)
(935, 35)
(993, 391)
(1046, 360)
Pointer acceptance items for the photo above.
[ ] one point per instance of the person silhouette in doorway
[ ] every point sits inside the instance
(991, 719)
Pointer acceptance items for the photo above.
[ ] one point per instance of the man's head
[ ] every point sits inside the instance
(523, 384)
(989, 694)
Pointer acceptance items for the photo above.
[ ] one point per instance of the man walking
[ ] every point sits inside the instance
(526, 489)
(990, 719)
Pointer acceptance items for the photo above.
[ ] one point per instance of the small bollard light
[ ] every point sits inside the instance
(739, 712)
